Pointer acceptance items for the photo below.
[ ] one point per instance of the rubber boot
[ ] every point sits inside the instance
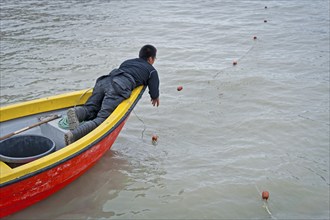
(79, 132)
(76, 115)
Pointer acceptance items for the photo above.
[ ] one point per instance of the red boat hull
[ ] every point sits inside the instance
(25, 192)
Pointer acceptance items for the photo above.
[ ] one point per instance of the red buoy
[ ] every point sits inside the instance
(154, 139)
(235, 63)
(179, 88)
(265, 195)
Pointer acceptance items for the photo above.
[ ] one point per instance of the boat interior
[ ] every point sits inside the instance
(50, 129)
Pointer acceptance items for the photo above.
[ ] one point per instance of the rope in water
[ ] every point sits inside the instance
(265, 205)
(240, 58)
(216, 75)
(144, 125)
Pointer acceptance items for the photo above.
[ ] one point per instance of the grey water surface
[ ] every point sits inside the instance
(231, 133)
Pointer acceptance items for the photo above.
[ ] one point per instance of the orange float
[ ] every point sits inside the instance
(265, 195)
(154, 139)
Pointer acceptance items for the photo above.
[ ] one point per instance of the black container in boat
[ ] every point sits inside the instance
(25, 148)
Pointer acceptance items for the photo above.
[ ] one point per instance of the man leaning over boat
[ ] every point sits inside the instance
(110, 90)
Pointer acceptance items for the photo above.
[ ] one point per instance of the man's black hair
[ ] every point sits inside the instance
(147, 51)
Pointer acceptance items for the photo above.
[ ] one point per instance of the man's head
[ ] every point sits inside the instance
(148, 53)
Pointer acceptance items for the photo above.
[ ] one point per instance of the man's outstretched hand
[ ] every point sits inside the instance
(155, 102)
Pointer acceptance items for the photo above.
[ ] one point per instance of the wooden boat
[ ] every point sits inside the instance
(26, 184)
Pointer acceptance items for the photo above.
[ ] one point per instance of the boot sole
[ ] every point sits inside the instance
(68, 138)
(72, 119)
